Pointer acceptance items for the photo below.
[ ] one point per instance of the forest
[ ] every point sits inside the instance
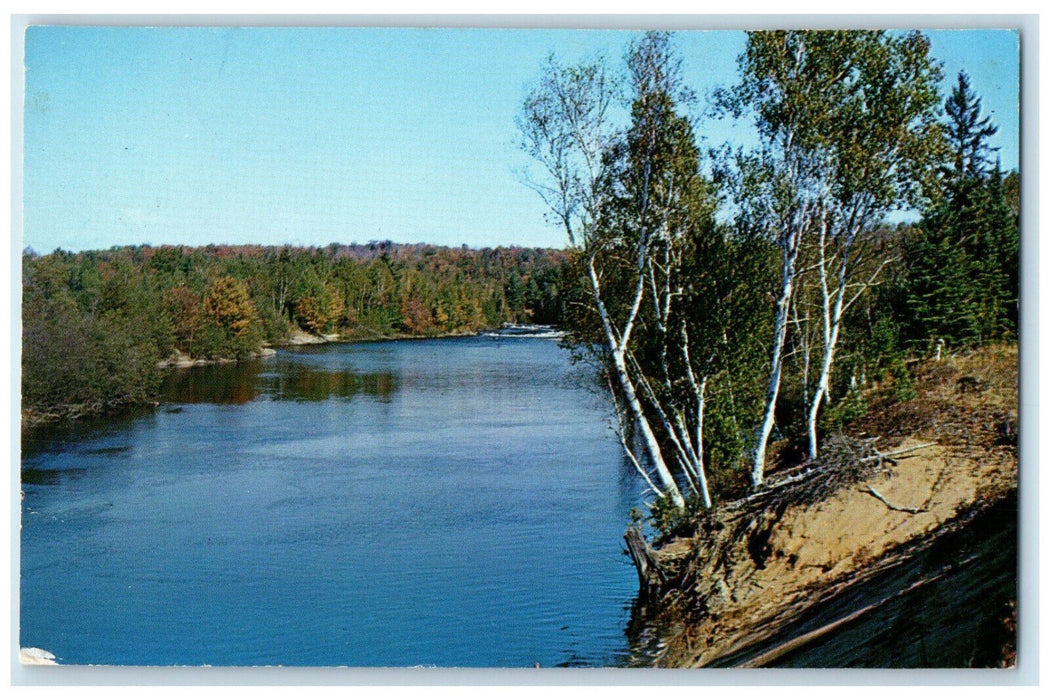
(734, 300)
(740, 301)
(805, 341)
(96, 325)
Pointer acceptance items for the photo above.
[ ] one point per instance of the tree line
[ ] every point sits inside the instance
(736, 300)
(97, 323)
(739, 298)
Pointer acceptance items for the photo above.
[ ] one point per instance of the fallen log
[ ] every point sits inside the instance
(651, 576)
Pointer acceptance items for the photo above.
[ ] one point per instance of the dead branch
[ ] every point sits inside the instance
(843, 462)
(888, 456)
(651, 576)
(870, 489)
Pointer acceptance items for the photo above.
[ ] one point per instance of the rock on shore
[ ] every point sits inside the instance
(180, 359)
(300, 337)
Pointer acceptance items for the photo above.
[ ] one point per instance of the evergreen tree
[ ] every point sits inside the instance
(967, 133)
(962, 277)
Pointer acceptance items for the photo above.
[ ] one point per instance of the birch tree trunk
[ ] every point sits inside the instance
(652, 445)
(849, 118)
(705, 493)
(616, 345)
(776, 363)
(614, 192)
(831, 322)
(835, 305)
(822, 383)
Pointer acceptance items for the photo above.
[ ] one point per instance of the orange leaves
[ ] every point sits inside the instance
(229, 303)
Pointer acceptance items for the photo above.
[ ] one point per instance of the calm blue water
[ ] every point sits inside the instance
(452, 502)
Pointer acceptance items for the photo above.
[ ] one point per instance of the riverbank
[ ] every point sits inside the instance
(506, 330)
(304, 338)
(180, 360)
(905, 558)
(38, 416)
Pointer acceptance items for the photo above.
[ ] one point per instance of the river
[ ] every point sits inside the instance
(448, 502)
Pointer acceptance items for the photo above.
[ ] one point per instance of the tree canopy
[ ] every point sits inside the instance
(719, 334)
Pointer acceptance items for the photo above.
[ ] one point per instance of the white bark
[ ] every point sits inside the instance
(705, 494)
(616, 345)
(822, 386)
(834, 304)
(831, 317)
(794, 225)
(678, 437)
(565, 128)
(699, 394)
(621, 431)
(652, 445)
(787, 283)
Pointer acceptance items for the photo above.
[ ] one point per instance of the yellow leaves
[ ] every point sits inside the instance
(311, 314)
(315, 311)
(229, 303)
(336, 305)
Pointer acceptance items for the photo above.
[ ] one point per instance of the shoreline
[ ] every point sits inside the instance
(303, 338)
(336, 339)
(34, 418)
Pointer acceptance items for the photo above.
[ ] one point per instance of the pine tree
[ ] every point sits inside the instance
(967, 133)
(996, 254)
(962, 275)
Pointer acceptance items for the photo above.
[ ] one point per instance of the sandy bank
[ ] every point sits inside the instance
(912, 565)
(833, 551)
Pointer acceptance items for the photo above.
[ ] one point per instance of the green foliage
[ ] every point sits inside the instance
(847, 126)
(670, 521)
(840, 414)
(80, 363)
(962, 279)
(903, 387)
(97, 323)
(967, 133)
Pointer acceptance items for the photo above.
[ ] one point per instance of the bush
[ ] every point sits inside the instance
(851, 407)
(669, 521)
(75, 362)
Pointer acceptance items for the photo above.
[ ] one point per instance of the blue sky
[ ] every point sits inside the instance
(312, 135)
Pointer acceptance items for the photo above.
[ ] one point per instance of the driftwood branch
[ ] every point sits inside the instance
(844, 462)
(903, 509)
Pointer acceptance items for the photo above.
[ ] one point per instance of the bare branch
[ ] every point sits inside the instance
(876, 494)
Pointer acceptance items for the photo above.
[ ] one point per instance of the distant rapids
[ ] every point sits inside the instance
(524, 330)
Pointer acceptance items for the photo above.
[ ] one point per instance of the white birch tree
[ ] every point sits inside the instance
(846, 120)
(884, 144)
(658, 178)
(567, 130)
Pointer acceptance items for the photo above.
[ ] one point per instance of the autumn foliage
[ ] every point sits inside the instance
(97, 323)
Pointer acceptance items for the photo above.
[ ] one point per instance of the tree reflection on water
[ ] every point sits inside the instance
(248, 381)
